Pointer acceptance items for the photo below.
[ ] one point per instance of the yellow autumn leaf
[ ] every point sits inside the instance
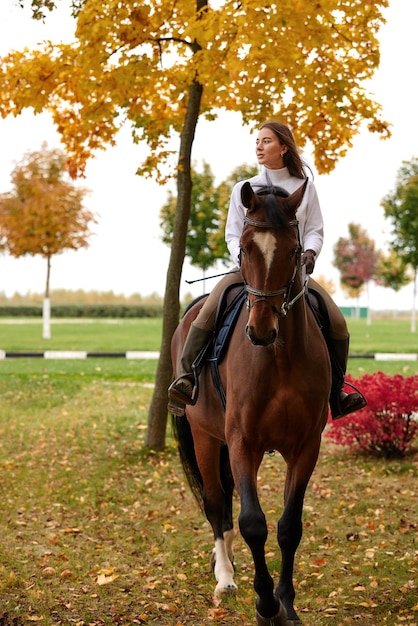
(106, 576)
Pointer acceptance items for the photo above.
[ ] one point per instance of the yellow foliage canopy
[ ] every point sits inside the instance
(303, 62)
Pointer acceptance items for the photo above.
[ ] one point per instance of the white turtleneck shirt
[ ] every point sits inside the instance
(311, 226)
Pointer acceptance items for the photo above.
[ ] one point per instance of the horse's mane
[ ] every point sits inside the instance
(273, 210)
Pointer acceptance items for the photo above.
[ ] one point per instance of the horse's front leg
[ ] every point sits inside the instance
(253, 527)
(289, 534)
(289, 530)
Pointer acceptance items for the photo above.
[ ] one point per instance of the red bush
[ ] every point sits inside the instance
(387, 426)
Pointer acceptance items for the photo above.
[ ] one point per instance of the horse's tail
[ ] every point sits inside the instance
(183, 435)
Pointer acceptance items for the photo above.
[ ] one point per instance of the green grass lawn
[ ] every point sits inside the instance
(120, 335)
(96, 532)
(107, 335)
(383, 335)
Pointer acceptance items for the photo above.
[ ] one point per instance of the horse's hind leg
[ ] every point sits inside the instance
(217, 500)
(223, 554)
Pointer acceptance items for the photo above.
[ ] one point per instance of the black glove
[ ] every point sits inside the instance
(308, 259)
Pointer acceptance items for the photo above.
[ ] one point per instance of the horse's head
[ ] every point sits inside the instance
(270, 257)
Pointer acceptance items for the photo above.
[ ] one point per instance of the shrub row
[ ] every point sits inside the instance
(388, 426)
(85, 310)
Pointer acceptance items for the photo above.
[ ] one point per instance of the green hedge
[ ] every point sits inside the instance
(85, 310)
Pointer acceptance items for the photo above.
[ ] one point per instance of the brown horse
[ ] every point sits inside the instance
(276, 374)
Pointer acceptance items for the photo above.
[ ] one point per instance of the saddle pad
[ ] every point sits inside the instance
(319, 309)
(230, 309)
(226, 327)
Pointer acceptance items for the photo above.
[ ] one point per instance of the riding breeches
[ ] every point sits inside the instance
(206, 317)
(337, 324)
(207, 314)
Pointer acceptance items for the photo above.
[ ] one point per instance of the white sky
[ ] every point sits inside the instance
(126, 254)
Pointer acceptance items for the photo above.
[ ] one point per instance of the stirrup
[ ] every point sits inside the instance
(335, 404)
(176, 407)
(179, 395)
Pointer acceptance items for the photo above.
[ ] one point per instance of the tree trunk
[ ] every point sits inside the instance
(157, 416)
(46, 308)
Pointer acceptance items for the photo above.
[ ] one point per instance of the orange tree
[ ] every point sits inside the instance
(44, 213)
(161, 64)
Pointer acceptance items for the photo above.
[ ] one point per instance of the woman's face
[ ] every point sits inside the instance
(269, 150)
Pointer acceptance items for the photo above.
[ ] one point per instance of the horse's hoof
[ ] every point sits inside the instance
(227, 590)
(277, 620)
(221, 592)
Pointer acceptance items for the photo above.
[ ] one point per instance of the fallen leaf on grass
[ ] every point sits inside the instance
(163, 606)
(102, 579)
(217, 614)
(106, 576)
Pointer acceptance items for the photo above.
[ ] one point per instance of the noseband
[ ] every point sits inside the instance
(264, 294)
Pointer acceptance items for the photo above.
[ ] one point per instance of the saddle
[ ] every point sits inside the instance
(229, 308)
(318, 307)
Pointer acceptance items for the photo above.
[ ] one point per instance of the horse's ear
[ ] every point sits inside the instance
(295, 199)
(247, 195)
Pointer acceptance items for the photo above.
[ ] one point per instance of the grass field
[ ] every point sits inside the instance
(383, 335)
(105, 335)
(96, 531)
(120, 335)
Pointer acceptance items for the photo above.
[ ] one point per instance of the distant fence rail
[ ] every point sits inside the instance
(79, 354)
(143, 354)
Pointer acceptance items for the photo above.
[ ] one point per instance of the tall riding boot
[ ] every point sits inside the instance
(184, 390)
(342, 403)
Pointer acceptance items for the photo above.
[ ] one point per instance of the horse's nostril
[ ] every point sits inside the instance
(264, 339)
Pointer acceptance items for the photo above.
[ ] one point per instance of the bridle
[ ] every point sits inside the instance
(262, 295)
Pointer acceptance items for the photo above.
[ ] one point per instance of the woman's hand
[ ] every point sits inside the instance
(308, 259)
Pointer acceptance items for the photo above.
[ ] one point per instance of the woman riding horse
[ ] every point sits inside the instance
(282, 166)
(276, 375)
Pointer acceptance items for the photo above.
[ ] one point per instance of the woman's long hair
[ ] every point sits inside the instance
(291, 158)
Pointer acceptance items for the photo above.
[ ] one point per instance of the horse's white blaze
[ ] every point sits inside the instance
(224, 570)
(267, 244)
